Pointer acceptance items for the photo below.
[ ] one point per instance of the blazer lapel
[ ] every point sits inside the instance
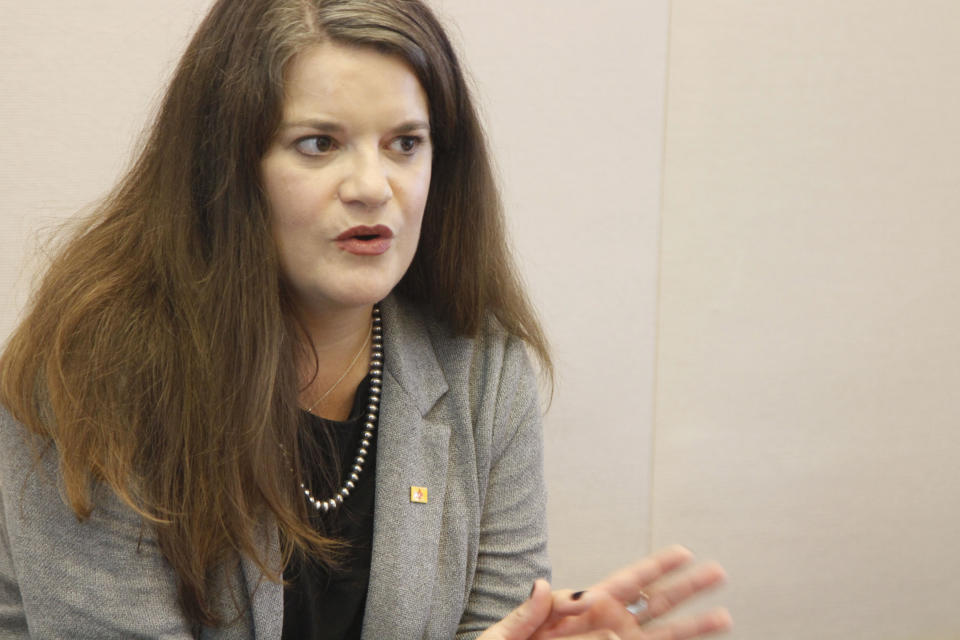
(411, 453)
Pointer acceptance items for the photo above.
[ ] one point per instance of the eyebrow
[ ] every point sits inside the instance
(326, 125)
(413, 125)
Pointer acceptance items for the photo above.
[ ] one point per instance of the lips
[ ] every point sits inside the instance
(366, 241)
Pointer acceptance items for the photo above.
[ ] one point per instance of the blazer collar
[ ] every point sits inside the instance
(409, 353)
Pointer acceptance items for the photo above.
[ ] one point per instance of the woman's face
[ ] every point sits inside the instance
(347, 175)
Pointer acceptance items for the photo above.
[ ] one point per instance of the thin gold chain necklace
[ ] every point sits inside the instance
(342, 375)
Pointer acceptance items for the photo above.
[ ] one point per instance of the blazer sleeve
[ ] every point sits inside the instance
(512, 551)
(59, 577)
(13, 620)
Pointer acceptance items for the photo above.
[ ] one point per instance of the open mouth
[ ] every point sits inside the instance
(366, 241)
(367, 234)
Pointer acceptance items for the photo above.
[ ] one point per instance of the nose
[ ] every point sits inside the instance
(366, 181)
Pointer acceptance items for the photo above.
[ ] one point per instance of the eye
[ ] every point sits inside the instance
(315, 145)
(406, 145)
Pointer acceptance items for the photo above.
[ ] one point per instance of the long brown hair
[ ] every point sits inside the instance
(158, 352)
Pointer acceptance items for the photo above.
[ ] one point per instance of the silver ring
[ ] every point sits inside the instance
(641, 604)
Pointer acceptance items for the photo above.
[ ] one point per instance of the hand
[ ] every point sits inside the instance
(600, 612)
(524, 621)
(666, 578)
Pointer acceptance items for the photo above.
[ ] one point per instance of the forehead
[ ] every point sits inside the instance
(342, 81)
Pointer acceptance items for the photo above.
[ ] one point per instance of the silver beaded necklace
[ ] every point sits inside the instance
(369, 424)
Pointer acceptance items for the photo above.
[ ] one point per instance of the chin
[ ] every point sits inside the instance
(348, 288)
(349, 298)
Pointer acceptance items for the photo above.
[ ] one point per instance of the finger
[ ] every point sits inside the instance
(567, 602)
(663, 598)
(603, 613)
(522, 622)
(704, 624)
(599, 634)
(626, 584)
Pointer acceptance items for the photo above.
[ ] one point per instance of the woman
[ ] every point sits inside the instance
(277, 386)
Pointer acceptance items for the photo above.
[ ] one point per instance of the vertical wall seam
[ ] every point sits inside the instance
(659, 281)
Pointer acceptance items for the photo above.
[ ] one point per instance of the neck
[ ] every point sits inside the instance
(332, 329)
(337, 337)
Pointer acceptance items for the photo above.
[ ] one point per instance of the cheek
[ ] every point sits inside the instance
(426, 186)
(420, 189)
(288, 190)
(275, 189)
(289, 204)
(287, 221)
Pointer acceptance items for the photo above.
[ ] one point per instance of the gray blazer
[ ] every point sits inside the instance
(459, 416)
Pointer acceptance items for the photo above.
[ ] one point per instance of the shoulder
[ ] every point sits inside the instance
(24, 453)
(33, 495)
(486, 383)
(424, 345)
(61, 567)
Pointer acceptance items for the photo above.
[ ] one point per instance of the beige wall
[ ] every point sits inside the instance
(805, 363)
(809, 353)
(79, 81)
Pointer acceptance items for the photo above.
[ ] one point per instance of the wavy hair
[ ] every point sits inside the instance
(157, 354)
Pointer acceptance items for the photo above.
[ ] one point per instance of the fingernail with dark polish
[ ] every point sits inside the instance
(577, 595)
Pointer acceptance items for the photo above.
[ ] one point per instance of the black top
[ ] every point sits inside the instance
(317, 603)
